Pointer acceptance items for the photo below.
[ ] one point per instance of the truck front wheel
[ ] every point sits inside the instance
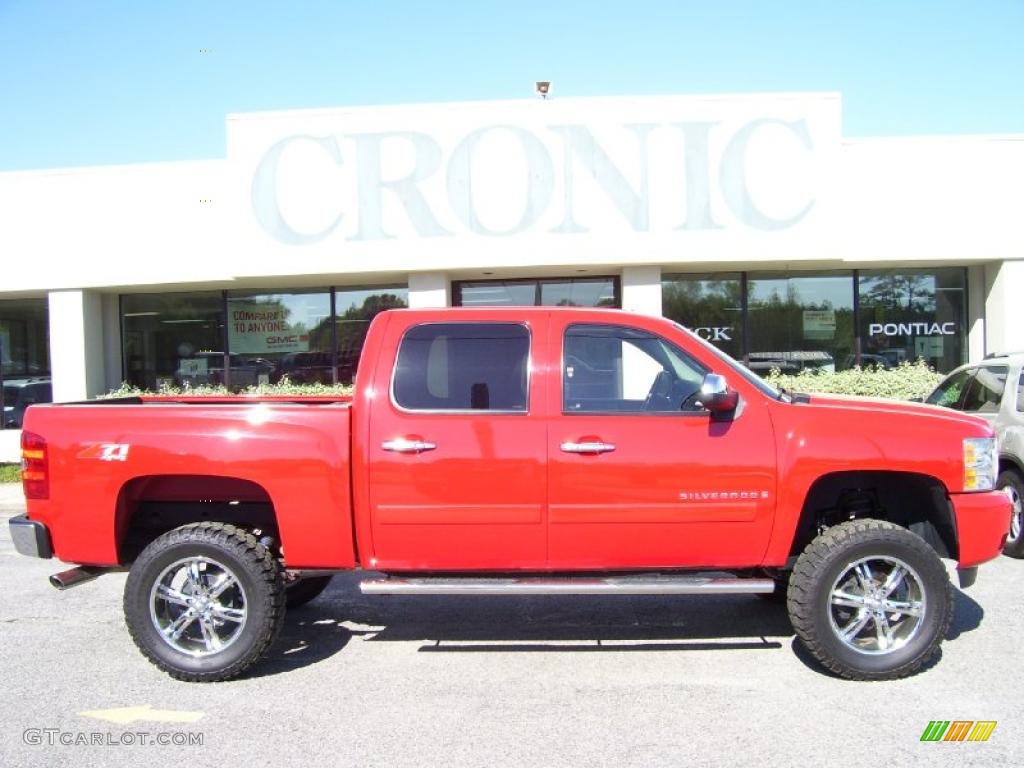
(870, 600)
(204, 602)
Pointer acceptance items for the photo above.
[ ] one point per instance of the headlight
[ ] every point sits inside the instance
(981, 463)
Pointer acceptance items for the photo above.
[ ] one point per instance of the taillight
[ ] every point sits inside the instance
(35, 477)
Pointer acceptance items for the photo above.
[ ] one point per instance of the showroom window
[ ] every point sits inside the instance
(826, 320)
(24, 338)
(710, 305)
(800, 322)
(173, 339)
(24, 358)
(355, 308)
(185, 339)
(910, 314)
(554, 292)
(276, 336)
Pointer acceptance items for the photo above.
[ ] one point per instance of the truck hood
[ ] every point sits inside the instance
(855, 405)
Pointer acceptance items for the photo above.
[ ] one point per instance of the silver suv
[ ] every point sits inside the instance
(994, 389)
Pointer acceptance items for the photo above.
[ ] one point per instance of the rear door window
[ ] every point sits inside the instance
(985, 391)
(463, 367)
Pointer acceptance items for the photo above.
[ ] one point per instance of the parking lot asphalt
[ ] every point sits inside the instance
(543, 681)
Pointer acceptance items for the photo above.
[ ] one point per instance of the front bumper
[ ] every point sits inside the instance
(30, 537)
(982, 524)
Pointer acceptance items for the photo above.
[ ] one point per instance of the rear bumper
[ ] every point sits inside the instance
(30, 537)
(982, 523)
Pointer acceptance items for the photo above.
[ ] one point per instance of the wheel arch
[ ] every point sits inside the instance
(150, 505)
(1008, 461)
(916, 501)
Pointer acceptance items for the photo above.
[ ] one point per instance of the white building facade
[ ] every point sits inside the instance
(746, 217)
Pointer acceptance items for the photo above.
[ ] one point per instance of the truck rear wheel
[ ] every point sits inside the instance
(204, 602)
(870, 600)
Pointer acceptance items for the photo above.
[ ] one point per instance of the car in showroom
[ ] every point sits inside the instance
(994, 389)
(19, 394)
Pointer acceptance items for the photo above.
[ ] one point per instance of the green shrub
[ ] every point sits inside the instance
(284, 387)
(10, 473)
(904, 382)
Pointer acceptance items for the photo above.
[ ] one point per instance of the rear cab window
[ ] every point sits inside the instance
(464, 366)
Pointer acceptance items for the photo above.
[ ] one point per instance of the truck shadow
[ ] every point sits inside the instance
(548, 624)
(967, 616)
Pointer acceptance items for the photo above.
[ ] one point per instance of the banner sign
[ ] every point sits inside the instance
(263, 328)
(819, 324)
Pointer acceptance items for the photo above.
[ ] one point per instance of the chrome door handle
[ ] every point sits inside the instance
(402, 445)
(595, 447)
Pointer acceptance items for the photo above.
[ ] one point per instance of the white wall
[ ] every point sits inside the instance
(1004, 307)
(931, 199)
(10, 446)
(429, 289)
(76, 345)
(976, 326)
(395, 190)
(132, 225)
(641, 290)
(405, 209)
(419, 193)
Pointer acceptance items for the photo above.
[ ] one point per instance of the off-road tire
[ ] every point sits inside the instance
(256, 571)
(831, 555)
(1012, 480)
(301, 591)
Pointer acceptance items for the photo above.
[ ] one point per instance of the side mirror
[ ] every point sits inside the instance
(716, 396)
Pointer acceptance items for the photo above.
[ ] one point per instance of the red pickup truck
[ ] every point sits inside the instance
(519, 451)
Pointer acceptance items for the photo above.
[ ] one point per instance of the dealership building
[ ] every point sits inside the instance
(748, 218)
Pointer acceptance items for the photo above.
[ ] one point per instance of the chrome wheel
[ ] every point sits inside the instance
(198, 606)
(877, 604)
(1016, 514)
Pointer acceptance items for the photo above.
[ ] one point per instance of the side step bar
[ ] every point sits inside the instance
(569, 585)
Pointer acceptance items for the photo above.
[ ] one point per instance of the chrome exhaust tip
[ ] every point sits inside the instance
(75, 576)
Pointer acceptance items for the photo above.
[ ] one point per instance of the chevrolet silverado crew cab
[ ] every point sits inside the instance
(519, 451)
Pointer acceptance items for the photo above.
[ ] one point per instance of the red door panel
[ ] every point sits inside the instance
(459, 488)
(669, 488)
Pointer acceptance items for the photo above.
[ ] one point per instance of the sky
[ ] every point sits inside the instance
(96, 82)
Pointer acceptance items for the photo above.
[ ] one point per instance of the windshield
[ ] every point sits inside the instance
(741, 369)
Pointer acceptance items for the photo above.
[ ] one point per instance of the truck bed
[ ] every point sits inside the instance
(243, 452)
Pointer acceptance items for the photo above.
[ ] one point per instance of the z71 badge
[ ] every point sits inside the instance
(105, 452)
